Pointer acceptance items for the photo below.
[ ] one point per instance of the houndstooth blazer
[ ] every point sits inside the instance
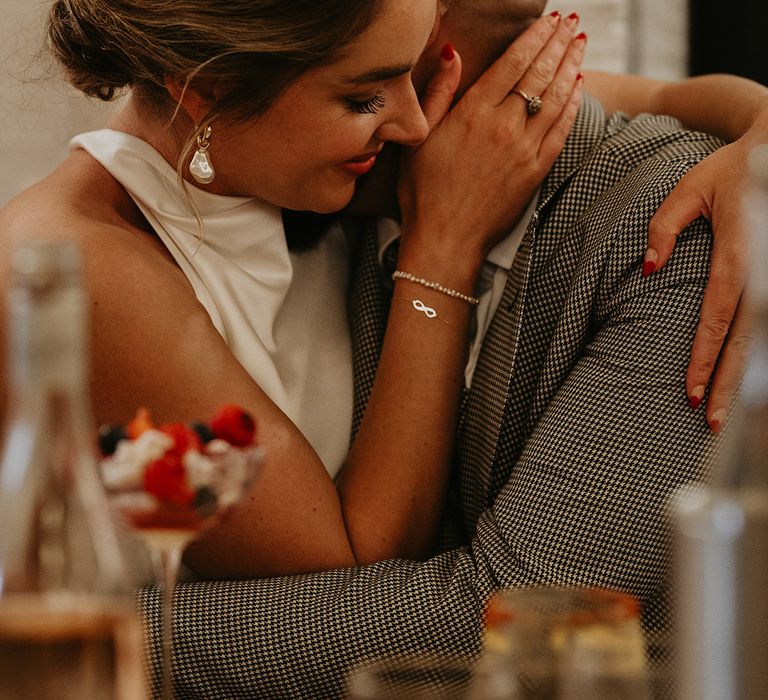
(574, 434)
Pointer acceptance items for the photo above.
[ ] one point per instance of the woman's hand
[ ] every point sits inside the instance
(713, 189)
(468, 183)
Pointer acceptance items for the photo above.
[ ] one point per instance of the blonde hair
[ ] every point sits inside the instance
(257, 47)
(253, 48)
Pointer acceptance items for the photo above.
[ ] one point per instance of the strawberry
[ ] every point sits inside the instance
(184, 438)
(235, 425)
(166, 479)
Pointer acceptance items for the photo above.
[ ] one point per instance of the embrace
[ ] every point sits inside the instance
(413, 240)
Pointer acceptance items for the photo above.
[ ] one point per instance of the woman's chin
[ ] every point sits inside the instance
(333, 201)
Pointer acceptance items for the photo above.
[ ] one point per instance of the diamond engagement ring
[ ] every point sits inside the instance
(534, 101)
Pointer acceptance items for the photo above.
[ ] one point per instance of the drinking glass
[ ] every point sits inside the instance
(556, 639)
(425, 677)
(220, 475)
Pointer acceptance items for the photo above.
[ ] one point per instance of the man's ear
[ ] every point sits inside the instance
(195, 101)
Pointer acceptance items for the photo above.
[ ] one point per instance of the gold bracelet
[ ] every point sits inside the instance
(399, 274)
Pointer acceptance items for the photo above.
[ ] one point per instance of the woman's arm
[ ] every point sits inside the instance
(390, 492)
(450, 223)
(153, 344)
(725, 106)
(736, 110)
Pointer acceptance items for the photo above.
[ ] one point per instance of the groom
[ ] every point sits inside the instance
(573, 435)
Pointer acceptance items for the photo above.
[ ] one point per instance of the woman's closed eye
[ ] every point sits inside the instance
(369, 106)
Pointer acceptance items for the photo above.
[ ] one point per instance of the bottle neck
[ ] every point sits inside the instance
(47, 343)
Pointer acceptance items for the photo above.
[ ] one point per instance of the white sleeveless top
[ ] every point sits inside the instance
(283, 315)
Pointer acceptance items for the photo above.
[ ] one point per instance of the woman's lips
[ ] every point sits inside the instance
(360, 166)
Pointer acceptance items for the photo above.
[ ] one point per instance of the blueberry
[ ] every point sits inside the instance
(205, 501)
(203, 431)
(109, 436)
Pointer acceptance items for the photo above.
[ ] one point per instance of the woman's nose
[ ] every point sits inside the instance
(409, 127)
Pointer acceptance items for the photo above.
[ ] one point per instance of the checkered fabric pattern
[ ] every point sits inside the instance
(574, 434)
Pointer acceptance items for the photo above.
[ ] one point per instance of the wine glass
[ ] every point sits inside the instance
(169, 486)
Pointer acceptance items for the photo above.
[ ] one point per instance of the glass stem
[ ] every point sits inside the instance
(169, 561)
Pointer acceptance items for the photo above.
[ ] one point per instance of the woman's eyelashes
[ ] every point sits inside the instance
(370, 106)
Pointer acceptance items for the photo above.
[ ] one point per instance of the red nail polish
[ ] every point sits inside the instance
(649, 267)
(582, 36)
(694, 402)
(554, 14)
(715, 426)
(580, 76)
(448, 53)
(573, 15)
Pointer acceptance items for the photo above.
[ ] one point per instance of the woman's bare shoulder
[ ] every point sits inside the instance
(141, 302)
(79, 201)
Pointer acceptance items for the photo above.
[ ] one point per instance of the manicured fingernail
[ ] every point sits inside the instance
(717, 420)
(582, 36)
(580, 76)
(649, 263)
(555, 15)
(572, 20)
(447, 53)
(696, 396)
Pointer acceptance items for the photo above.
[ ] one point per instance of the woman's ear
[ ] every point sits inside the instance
(195, 101)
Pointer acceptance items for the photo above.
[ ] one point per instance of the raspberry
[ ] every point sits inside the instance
(235, 425)
(184, 439)
(166, 479)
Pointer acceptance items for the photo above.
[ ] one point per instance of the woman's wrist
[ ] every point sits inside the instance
(442, 264)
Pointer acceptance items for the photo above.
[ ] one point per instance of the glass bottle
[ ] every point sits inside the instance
(721, 530)
(68, 624)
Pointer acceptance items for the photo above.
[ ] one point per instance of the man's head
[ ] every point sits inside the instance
(480, 30)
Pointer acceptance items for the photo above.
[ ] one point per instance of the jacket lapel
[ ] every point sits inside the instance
(506, 396)
(369, 301)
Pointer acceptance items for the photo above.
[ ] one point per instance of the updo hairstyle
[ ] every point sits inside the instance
(256, 48)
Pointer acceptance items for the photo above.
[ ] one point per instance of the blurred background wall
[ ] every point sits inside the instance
(38, 112)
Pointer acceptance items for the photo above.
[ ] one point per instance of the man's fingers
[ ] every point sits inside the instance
(730, 369)
(497, 82)
(441, 89)
(680, 208)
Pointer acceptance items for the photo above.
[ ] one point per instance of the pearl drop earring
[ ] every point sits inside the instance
(201, 167)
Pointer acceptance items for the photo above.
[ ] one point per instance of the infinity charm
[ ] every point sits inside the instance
(426, 310)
